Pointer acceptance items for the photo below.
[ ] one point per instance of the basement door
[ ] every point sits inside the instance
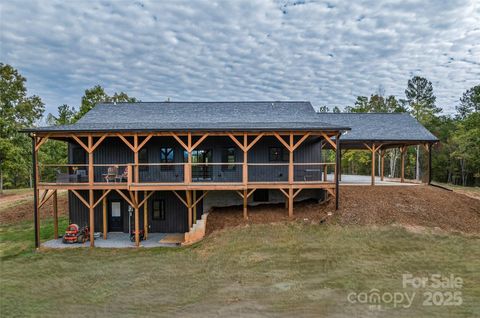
(115, 220)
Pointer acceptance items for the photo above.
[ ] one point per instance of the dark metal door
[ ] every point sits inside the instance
(115, 221)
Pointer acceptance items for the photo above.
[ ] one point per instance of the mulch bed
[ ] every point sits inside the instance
(423, 206)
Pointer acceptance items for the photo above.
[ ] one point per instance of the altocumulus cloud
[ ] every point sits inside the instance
(325, 52)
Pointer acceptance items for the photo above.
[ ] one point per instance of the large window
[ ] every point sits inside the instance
(167, 155)
(158, 212)
(228, 156)
(278, 154)
(143, 158)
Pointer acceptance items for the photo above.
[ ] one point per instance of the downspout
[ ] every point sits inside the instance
(35, 194)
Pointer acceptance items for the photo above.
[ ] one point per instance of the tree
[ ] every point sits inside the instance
(17, 111)
(66, 115)
(97, 95)
(469, 102)
(420, 98)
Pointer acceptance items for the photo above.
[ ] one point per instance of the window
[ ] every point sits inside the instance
(167, 155)
(158, 212)
(228, 155)
(143, 158)
(278, 154)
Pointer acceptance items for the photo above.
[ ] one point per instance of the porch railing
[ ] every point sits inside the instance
(158, 173)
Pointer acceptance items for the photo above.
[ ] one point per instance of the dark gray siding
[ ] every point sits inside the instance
(114, 151)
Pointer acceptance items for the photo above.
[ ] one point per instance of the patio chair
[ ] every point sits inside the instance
(111, 174)
(123, 176)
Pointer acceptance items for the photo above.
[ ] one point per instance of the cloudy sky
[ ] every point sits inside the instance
(327, 52)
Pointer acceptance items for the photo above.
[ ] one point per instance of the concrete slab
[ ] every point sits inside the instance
(115, 240)
(348, 179)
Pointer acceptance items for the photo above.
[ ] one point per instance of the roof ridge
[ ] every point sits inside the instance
(206, 102)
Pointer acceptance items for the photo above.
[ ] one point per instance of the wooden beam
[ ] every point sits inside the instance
(80, 142)
(99, 141)
(282, 141)
(290, 202)
(235, 140)
(250, 193)
(373, 150)
(188, 194)
(297, 192)
(284, 192)
(144, 142)
(55, 214)
(137, 222)
(402, 163)
(290, 161)
(42, 197)
(105, 193)
(145, 198)
(382, 164)
(255, 141)
(145, 216)
(331, 191)
(195, 202)
(125, 198)
(132, 198)
(245, 204)
(135, 157)
(180, 141)
(239, 193)
(81, 198)
(180, 198)
(245, 160)
(329, 140)
(92, 218)
(126, 141)
(199, 141)
(41, 142)
(301, 141)
(91, 174)
(105, 228)
(46, 198)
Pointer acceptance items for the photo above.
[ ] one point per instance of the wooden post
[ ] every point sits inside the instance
(105, 227)
(429, 149)
(290, 201)
(36, 215)
(145, 216)
(189, 207)
(337, 158)
(382, 164)
(373, 163)
(245, 160)
(245, 204)
(135, 159)
(137, 221)
(290, 161)
(402, 165)
(55, 214)
(340, 167)
(92, 218)
(91, 175)
(188, 168)
(194, 194)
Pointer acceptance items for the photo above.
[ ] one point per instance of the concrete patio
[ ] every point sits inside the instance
(349, 179)
(122, 240)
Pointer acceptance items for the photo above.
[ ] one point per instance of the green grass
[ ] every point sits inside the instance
(282, 269)
(473, 192)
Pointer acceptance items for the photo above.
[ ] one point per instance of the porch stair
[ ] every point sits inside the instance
(197, 231)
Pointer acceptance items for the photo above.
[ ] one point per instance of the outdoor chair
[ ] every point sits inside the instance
(111, 175)
(123, 176)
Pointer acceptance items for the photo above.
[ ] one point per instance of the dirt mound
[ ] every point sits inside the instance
(423, 206)
(21, 209)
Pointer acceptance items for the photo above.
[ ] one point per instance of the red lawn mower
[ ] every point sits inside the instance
(75, 234)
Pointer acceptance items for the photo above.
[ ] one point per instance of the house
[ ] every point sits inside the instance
(159, 166)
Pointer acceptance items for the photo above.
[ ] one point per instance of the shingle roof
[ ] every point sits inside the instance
(255, 116)
(271, 115)
(379, 126)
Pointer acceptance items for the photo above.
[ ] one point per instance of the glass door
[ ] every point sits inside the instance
(201, 171)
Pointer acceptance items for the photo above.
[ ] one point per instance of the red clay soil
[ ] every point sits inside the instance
(410, 206)
(24, 210)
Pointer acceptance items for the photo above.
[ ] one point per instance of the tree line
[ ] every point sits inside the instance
(456, 159)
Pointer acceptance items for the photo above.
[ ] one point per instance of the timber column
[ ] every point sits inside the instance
(35, 192)
(337, 157)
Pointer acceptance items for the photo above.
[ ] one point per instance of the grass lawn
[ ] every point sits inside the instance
(473, 192)
(280, 269)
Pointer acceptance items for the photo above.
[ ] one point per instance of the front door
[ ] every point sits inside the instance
(115, 221)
